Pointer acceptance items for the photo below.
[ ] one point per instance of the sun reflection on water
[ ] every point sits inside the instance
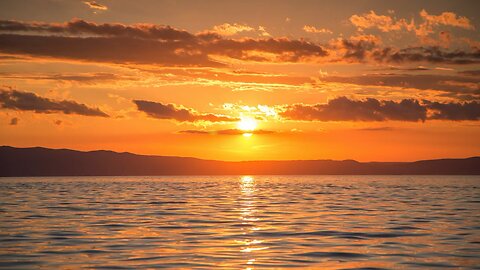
(248, 211)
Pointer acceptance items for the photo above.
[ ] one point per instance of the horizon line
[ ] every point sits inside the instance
(237, 161)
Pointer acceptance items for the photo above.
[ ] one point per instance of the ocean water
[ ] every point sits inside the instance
(241, 222)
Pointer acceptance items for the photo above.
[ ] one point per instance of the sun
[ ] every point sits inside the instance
(247, 124)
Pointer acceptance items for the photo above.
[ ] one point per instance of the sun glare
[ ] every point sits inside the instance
(247, 124)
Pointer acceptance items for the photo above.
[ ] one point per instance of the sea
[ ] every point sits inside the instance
(240, 222)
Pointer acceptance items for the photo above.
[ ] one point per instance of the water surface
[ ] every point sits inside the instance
(241, 222)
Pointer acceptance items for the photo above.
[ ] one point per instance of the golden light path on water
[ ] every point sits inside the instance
(247, 216)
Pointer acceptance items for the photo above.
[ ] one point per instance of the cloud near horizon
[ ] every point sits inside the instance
(179, 113)
(370, 109)
(27, 101)
(226, 132)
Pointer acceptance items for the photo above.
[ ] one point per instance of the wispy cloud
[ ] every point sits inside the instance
(226, 132)
(313, 29)
(95, 5)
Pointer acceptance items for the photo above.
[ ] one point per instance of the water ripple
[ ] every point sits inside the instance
(235, 222)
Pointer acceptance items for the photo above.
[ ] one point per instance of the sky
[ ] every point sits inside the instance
(243, 80)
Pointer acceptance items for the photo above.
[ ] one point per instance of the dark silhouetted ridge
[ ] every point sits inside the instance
(38, 161)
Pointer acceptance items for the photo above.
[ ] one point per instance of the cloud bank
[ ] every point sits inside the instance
(370, 109)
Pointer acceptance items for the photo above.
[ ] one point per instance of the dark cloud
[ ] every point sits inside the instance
(434, 55)
(181, 114)
(283, 49)
(368, 48)
(105, 49)
(344, 109)
(80, 77)
(144, 43)
(81, 27)
(454, 111)
(14, 121)
(26, 101)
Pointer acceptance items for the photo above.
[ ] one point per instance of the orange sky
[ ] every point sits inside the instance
(372, 80)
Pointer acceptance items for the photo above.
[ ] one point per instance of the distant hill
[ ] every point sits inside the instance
(39, 161)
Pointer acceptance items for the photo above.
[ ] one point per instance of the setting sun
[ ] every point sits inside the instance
(247, 124)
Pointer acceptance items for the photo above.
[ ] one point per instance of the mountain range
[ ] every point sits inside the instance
(38, 161)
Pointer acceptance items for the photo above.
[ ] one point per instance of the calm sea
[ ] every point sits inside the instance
(241, 222)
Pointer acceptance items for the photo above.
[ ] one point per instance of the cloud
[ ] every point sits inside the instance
(227, 29)
(377, 129)
(26, 101)
(14, 121)
(446, 83)
(454, 111)
(313, 29)
(226, 132)
(370, 109)
(82, 27)
(77, 77)
(150, 44)
(178, 113)
(386, 23)
(367, 48)
(382, 22)
(427, 54)
(447, 18)
(95, 5)
(166, 46)
(102, 49)
(344, 109)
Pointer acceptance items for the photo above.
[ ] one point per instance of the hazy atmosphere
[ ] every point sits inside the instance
(243, 80)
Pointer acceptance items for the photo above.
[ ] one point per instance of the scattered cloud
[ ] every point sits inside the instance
(227, 29)
(368, 48)
(387, 23)
(313, 29)
(382, 22)
(27, 101)
(95, 5)
(178, 113)
(370, 109)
